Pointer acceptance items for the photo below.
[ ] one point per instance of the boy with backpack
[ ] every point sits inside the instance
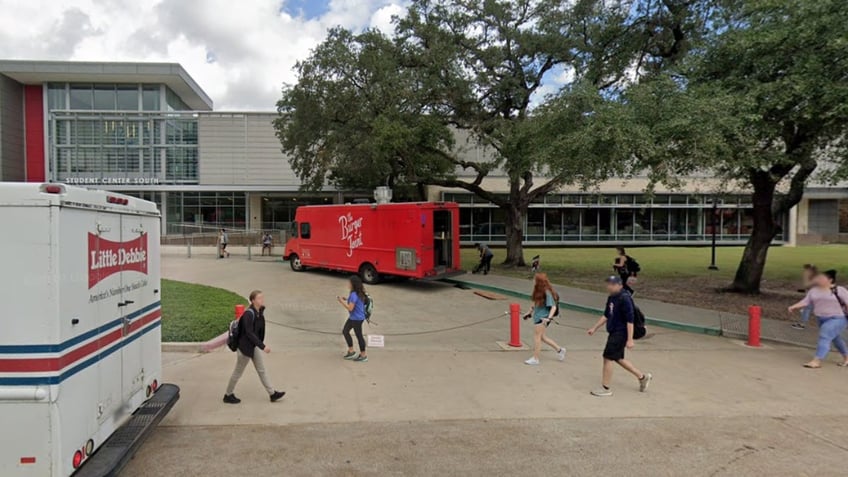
(619, 318)
(246, 335)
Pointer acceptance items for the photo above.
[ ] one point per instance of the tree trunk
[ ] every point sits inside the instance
(514, 220)
(750, 270)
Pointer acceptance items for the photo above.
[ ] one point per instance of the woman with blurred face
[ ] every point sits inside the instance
(543, 308)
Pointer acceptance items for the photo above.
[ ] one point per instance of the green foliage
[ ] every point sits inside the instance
(196, 312)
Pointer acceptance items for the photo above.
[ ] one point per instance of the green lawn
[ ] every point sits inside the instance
(784, 263)
(195, 312)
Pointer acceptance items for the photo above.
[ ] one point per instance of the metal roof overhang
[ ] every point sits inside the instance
(171, 74)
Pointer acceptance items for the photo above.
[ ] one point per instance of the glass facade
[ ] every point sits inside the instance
(627, 218)
(119, 134)
(193, 212)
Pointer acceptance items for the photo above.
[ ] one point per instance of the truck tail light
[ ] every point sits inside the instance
(77, 459)
(155, 385)
(52, 189)
(89, 447)
(27, 460)
(117, 200)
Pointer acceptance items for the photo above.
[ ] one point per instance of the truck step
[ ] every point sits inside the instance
(117, 451)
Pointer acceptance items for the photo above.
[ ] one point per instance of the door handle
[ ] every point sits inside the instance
(125, 303)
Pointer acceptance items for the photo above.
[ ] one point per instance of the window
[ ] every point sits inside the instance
(294, 230)
(843, 216)
(104, 98)
(150, 98)
(81, 97)
(127, 98)
(305, 231)
(56, 96)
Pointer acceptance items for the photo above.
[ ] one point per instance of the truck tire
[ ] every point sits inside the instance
(369, 274)
(294, 262)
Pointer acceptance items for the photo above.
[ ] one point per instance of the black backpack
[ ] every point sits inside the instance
(234, 333)
(639, 329)
(632, 265)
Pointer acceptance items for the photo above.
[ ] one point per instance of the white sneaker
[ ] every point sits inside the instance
(532, 361)
(561, 354)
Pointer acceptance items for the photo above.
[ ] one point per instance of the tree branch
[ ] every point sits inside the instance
(471, 187)
(545, 188)
(796, 187)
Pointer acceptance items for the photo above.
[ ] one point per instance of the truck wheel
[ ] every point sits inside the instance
(369, 274)
(294, 261)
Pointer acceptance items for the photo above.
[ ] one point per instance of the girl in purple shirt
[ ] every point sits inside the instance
(829, 304)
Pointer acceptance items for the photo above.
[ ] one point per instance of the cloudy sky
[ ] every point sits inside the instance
(240, 51)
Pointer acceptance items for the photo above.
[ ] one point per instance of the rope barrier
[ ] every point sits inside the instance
(411, 333)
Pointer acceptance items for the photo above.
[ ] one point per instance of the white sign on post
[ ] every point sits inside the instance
(376, 341)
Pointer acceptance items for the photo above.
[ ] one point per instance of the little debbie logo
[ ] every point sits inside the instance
(105, 257)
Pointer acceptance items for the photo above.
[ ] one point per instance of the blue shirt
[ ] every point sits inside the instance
(619, 312)
(543, 311)
(358, 312)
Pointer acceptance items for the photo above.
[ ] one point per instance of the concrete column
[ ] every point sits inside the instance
(792, 239)
(254, 211)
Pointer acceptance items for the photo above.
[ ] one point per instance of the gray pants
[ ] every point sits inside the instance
(258, 363)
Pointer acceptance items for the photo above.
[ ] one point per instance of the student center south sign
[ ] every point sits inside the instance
(149, 130)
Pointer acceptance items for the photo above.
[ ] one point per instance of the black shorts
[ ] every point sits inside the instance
(616, 344)
(223, 246)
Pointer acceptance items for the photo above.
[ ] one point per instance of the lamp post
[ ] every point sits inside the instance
(713, 226)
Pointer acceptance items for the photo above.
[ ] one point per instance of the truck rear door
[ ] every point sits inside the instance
(137, 311)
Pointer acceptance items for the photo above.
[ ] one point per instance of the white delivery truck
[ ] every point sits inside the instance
(80, 352)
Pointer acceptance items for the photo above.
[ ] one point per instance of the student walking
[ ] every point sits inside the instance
(252, 336)
(830, 305)
(355, 305)
(543, 309)
(808, 277)
(486, 256)
(626, 267)
(618, 318)
(223, 240)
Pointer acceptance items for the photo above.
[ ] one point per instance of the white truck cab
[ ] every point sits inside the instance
(80, 348)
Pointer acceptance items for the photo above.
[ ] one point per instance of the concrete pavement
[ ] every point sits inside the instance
(667, 315)
(452, 403)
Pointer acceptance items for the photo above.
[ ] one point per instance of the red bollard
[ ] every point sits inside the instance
(514, 325)
(239, 311)
(754, 315)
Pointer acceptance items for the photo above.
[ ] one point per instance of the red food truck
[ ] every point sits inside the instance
(410, 239)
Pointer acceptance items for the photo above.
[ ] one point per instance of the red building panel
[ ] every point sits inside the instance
(34, 133)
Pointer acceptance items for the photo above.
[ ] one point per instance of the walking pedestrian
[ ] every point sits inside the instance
(486, 256)
(355, 305)
(830, 305)
(543, 309)
(618, 317)
(808, 277)
(626, 267)
(224, 239)
(252, 336)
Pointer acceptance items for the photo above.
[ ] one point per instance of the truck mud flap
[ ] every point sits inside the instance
(114, 454)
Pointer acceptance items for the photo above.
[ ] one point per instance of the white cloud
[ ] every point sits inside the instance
(240, 52)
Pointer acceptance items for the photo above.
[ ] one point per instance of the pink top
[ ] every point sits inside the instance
(824, 301)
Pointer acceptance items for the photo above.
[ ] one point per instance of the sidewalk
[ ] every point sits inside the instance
(658, 313)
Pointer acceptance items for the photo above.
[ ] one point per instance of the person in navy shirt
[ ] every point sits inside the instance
(619, 314)
(355, 305)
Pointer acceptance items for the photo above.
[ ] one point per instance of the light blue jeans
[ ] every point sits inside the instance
(806, 312)
(830, 331)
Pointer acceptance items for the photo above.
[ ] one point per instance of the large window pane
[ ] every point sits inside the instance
(571, 223)
(624, 224)
(56, 96)
(127, 98)
(605, 224)
(465, 225)
(642, 224)
(150, 98)
(589, 230)
(553, 225)
(81, 97)
(482, 225)
(104, 98)
(498, 225)
(535, 224)
(843, 216)
(660, 224)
